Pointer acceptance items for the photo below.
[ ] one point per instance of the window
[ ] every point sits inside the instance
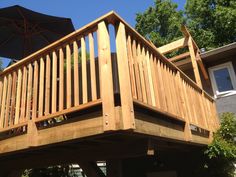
(223, 79)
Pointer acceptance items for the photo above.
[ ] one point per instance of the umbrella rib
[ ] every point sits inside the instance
(45, 38)
(5, 41)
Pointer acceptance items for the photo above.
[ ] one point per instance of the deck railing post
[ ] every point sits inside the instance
(124, 78)
(106, 82)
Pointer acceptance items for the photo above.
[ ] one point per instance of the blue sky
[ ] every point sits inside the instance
(84, 11)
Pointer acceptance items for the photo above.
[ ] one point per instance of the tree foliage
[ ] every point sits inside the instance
(160, 23)
(221, 153)
(212, 22)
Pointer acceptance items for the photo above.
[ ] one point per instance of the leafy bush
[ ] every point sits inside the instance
(221, 153)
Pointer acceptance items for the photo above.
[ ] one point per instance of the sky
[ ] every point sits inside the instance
(84, 11)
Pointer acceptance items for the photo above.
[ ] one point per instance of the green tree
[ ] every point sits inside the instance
(160, 23)
(212, 22)
(221, 153)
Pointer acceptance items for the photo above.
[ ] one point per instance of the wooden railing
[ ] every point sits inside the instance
(66, 76)
(157, 82)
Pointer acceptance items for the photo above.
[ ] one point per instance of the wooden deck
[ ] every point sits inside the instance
(75, 89)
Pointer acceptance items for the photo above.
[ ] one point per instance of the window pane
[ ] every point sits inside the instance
(223, 80)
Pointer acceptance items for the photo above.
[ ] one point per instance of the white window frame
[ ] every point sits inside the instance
(230, 68)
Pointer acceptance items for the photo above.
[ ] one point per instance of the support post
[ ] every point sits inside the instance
(194, 62)
(124, 78)
(106, 82)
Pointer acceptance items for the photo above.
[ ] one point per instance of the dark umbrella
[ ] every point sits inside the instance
(23, 31)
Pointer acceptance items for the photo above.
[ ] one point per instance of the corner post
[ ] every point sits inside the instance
(124, 78)
(106, 81)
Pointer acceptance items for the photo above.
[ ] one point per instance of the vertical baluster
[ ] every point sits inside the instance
(41, 87)
(164, 71)
(146, 80)
(61, 80)
(150, 79)
(18, 96)
(84, 70)
(76, 73)
(131, 67)
(155, 84)
(161, 89)
(92, 67)
(48, 85)
(3, 102)
(54, 82)
(29, 92)
(136, 70)
(24, 93)
(68, 76)
(140, 64)
(35, 90)
(13, 99)
(9, 87)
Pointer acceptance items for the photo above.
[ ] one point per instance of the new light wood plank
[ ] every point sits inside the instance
(173, 46)
(13, 99)
(124, 78)
(24, 94)
(48, 85)
(18, 96)
(166, 87)
(105, 69)
(92, 67)
(84, 71)
(131, 67)
(155, 82)
(141, 70)
(29, 92)
(54, 82)
(35, 90)
(150, 78)
(194, 62)
(146, 80)
(1, 91)
(41, 87)
(76, 73)
(160, 78)
(8, 99)
(3, 100)
(61, 79)
(68, 77)
(136, 71)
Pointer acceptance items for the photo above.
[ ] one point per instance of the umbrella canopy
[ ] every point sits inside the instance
(23, 31)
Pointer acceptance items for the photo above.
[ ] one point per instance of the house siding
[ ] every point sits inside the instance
(226, 104)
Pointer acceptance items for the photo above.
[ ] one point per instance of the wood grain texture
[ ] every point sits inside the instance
(84, 71)
(124, 78)
(106, 81)
(76, 73)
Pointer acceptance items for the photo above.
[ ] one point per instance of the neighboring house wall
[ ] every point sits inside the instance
(224, 103)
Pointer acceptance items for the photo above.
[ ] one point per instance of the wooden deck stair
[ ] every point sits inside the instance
(75, 89)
